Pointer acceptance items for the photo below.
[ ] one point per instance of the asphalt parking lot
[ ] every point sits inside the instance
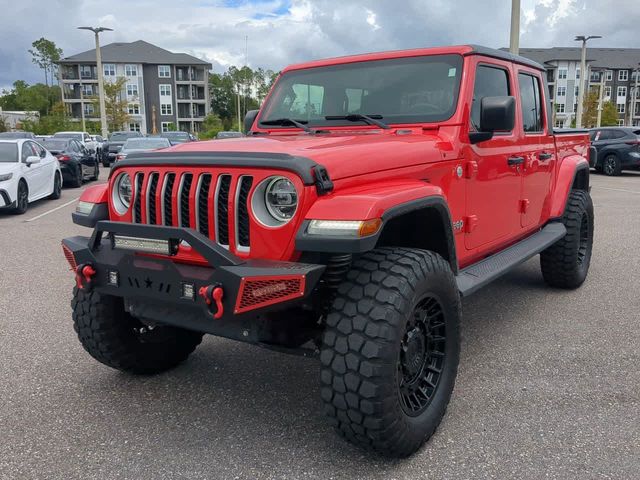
(548, 387)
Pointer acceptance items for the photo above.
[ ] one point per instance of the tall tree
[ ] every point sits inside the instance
(609, 115)
(22, 96)
(114, 104)
(44, 54)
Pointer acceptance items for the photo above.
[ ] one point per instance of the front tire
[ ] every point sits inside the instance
(118, 340)
(565, 264)
(22, 199)
(391, 349)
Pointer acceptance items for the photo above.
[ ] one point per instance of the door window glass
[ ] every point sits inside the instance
(490, 82)
(530, 103)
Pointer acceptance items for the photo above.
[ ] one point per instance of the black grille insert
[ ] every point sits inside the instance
(243, 211)
(223, 209)
(151, 195)
(137, 205)
(168, 205)
(203, 204)
(187, 178)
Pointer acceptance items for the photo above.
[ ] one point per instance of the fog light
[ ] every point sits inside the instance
(114, 278)
(148, 245)
(188, 291)
(344, 228)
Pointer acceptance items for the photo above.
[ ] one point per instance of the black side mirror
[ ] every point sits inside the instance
(497, 114)
(249, 118)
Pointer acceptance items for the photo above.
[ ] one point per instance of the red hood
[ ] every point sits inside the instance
(344, 154)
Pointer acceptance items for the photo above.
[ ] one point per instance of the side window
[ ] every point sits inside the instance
(39, 150)
(616, 134)
(27, 151)
(490, 82)
(605, 135)
(530, 103)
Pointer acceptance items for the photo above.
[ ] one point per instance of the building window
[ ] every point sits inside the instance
(86, 71)
(562, 91)
(576, 91)
(132, 89)
(620, 107)
(560, 107)
(165, 90)
(109, 69)
(609, 76)
(559, 124)
(88, 109)
(133, 109)
(134, 127)
(622, 91)
(623, 75)
(166, 109)
(131, 70)
(577, 74)
(87, 90)
(607, 92)
(562, 73)
(166, 126)
(164, 71)
(620, 123)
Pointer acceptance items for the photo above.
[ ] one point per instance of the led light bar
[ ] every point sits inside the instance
(147, 245)
(344, 228)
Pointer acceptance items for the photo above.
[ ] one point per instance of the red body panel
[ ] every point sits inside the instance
(95, 194)
(373, 170)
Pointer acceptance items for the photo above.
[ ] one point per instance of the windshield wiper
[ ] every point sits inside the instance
(288, 121)
(355, 117)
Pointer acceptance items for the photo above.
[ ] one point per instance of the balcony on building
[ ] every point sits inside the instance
(88, 72)
(551, 75)
(69, 72)
(190, 74)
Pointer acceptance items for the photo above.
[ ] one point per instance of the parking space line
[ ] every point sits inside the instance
(617, 189)
(52, 210)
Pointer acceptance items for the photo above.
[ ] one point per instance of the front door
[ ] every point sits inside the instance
(493, 191)
(537, 150)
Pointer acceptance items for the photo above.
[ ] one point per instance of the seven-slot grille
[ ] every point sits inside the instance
(195, 200)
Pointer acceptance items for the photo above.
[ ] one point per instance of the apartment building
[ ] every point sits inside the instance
(163, 90)
(619, 66)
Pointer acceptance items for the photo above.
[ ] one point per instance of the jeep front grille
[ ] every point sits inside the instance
(199, 201)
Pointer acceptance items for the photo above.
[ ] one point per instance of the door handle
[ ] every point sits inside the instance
(545, 156)
(511, 161)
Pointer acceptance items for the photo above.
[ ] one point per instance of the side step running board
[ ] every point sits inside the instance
(485, 271)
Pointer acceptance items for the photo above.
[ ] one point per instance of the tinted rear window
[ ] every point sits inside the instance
(55, 144)
(122, 136)
(8, 152)
(77, 136)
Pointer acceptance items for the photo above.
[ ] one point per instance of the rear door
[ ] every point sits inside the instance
(493, 191)
(537, 151)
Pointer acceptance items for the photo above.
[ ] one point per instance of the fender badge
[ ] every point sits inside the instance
(459, 171)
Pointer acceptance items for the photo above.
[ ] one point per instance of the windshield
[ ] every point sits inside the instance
(122, 136)
(402, 90)
(8, 152)
(145, 143)
(57, 145)
(77, 136)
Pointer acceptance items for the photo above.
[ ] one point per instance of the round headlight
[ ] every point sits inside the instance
(122, 192)
(275, 201)
(281, 199)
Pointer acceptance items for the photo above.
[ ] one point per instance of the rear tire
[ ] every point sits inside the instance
(391, 349)
(120, 341)
(57, 187)
(77, 181)
(611, 166)
(565, 264)
(96, 172)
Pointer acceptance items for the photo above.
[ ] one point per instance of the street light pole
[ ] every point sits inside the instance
(600, 98)
(583, 74)
(514, 41)
(103, 114)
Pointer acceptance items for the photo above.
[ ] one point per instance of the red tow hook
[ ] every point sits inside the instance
(213, 294)
(84, 274)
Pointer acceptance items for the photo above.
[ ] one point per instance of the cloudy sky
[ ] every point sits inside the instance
(285, 31)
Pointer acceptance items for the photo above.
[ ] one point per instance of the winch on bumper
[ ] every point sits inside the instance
(222, 297)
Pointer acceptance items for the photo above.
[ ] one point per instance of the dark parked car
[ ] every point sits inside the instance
(178, 137)
(222, 135)
(134, 145)
(15, 135)
(618, 149)
(76, 162)
(112, 147)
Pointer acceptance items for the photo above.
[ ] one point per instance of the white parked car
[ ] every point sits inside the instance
(83, 137)
(28, 173)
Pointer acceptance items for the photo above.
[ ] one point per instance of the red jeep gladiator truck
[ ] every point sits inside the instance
(371, 193)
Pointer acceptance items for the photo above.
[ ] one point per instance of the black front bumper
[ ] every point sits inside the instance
(153, 288)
